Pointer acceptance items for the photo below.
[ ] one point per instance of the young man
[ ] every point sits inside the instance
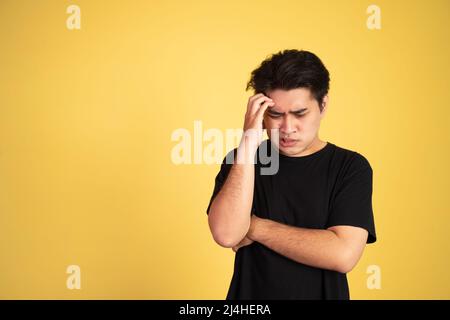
(296, 233)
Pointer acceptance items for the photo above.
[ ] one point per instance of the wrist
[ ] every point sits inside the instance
(246, 150)
(258, 228)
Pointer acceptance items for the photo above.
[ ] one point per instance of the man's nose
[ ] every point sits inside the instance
(287, 126)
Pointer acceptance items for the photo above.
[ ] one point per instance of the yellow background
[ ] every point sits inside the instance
(86, 118)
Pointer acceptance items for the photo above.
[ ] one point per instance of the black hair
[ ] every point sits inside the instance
(291, 69)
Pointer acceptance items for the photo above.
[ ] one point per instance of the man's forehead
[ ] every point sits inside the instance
(292, 94)
(290, 104)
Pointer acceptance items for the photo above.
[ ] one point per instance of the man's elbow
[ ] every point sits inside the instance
(346, 261)
(225, 237)
(225, 241)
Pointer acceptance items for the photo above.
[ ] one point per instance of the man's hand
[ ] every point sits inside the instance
(245, 242)
(253, 125)
(254, 223)
(256, 107)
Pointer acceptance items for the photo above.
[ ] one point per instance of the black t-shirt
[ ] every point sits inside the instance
(330, 187)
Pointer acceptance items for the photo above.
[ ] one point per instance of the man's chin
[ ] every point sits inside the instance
(288, 151)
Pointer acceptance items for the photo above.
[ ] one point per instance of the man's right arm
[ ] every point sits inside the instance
(229, 214)
(230, 211)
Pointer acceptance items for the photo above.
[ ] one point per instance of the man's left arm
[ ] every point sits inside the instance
(337, 248)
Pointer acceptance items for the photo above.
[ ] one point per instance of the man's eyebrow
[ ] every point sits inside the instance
(281, 113)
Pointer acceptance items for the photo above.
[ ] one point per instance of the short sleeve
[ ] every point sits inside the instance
(222, 175)
(352, 203)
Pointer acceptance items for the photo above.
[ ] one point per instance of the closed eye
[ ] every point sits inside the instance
(276, 116)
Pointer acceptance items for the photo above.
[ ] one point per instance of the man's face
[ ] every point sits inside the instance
(297, 116)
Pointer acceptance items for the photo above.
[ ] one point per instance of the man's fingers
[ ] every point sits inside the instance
(264, 106)
(258, 104)
(256, 96)
(251, 101)
(244, 242)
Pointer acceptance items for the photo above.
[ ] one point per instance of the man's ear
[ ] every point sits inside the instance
(325, 102)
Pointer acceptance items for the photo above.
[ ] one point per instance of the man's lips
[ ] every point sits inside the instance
(287, 140)
(284, 142)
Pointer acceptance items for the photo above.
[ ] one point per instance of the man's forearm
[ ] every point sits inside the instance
(229, 215)
(313, 247)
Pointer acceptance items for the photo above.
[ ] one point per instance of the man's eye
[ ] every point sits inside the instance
(276, 116)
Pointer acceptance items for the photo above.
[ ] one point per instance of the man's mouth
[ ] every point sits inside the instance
(285, 142)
